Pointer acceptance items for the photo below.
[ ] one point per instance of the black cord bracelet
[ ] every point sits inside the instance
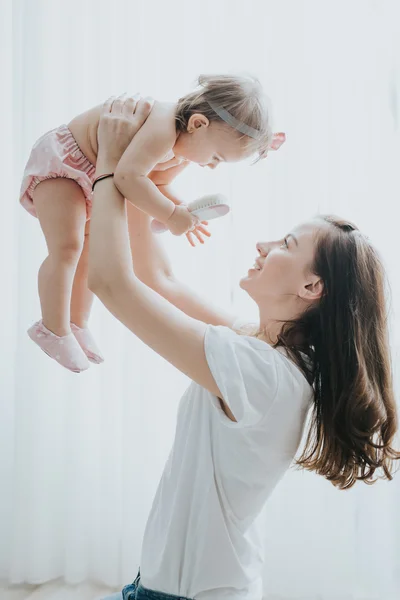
(100, 177)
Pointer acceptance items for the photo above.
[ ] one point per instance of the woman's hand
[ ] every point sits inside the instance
(120, 120)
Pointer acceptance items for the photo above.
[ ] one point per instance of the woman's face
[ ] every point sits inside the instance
(281, 276)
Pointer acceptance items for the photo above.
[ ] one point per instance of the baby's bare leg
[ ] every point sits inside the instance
(61, 208)
(82, 297)
(81, 303)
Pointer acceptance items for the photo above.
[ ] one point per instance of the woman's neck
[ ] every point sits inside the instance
(271, 326)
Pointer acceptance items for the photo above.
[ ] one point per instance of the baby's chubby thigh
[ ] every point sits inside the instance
(61, 209)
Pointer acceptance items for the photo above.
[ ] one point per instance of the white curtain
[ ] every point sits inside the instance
(80, 456)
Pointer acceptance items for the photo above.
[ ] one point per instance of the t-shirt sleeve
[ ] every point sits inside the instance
(245, 371)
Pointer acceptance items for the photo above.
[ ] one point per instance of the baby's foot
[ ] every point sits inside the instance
(65, 350)
(87, 343)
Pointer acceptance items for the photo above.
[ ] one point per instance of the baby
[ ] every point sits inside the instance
(226, 119)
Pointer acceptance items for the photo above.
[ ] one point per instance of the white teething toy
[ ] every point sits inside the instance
(206, 208)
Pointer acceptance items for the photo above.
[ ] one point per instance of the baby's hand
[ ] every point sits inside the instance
(200, 230)
(181, 221)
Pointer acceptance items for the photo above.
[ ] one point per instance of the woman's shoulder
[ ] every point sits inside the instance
(252, 375)
(246, 333)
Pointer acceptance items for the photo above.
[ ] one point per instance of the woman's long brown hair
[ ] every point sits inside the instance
(354, 416)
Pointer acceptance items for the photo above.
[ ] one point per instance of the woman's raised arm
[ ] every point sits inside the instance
(150, 260)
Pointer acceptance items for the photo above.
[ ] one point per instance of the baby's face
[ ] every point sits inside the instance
(210, 144)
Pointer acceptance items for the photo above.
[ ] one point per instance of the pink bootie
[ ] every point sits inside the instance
(65, 350)
(87, 343)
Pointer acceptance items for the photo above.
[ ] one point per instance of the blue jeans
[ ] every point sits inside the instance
(135, 591)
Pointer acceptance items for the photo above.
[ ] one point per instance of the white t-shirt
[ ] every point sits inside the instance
(201, 539)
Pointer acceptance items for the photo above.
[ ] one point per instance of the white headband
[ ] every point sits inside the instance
(233, 122)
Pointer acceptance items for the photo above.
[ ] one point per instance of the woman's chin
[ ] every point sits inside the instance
(244, 282)
(250, 274)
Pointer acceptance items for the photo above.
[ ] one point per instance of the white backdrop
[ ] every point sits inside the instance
(80, 456)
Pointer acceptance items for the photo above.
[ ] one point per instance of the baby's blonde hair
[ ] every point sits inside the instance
(241, 96)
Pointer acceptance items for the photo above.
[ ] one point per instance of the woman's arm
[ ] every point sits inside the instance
(151, 263)
(152, 266)
(171, 333)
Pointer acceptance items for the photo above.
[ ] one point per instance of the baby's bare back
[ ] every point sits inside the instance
(84, 129)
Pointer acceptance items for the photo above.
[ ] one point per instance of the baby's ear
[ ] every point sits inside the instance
(277, 140)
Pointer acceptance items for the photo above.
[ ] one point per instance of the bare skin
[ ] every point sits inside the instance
(153, 158)
(61, 208)
(164, 315)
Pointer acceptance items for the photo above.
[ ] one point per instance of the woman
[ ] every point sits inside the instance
(321, 343)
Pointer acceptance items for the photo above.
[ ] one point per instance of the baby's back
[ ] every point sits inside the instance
(84, 129)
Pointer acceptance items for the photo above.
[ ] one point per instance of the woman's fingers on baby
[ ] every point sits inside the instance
(107, 106)
(143, 108)
(118, 104)
(130, 105)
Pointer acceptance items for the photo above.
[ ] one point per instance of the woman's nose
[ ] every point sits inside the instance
(262, 248)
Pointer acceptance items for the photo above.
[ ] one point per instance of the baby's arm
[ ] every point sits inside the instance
(169, 193)
(164, 179)
(149, 146)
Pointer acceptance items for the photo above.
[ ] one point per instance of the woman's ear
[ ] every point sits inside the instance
(313, 289)
(197, 121)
